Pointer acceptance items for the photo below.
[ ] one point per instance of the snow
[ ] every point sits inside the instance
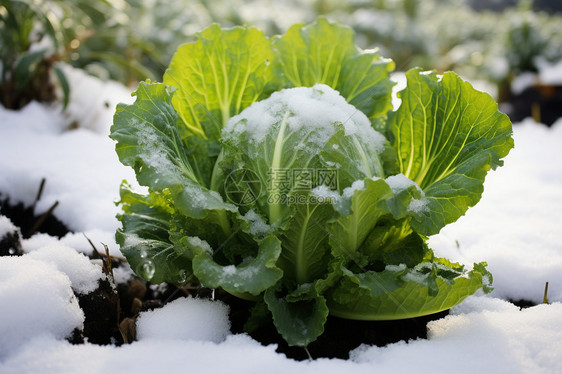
(122, 274)
(488, 339)
(325, 193)
(36, 117)
(81, 170)
(83, 275)
(37, 299)
(400, 78)
(396, 268)
(229, 270)
(200, 244)
(523, 81)
(258, 226)
(319, 108)
(92, 101)
(505, 340)
(91, 106)
(515, 228)
(476, 304)
(37, 293)
(6, 226)
(342, 203)
(399, 182)
(348, 192)
(76, 240)
(550, 73)
(186, 319)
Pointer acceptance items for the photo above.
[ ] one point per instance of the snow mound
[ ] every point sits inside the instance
(76, 240)
(506, 341)
(550, 73)
(186, 319)
(503, 341)
(83, 274)
(35, 117)
(6, 226)
(36, 299)
(476, 304)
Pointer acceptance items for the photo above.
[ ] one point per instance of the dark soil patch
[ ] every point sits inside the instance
(521, 303)
(30, 222)
(340, 335)
(542, 103)
(101, 309)
(10, 244)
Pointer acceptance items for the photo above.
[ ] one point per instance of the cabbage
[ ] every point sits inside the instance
(278, 171)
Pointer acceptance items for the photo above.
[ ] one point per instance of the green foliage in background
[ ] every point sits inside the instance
(132, 40)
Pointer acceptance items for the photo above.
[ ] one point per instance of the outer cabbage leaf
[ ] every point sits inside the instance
(399, 292)
(148, 140)
(447, 136)
(300, 315)
(299, 322)
(324, 52)
(217, 76)
(144, 239)
(253, 277)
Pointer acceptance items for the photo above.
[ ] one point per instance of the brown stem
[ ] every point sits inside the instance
(42, 219)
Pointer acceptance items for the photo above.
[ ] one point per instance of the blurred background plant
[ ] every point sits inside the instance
(132, 40)
(35, 35)
(27, 57)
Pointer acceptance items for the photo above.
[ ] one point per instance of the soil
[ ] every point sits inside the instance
(10, 244)
(541, 102)
(340, 335)
(522, 303)
(29, 222)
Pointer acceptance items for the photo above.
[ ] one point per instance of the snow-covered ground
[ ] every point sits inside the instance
(515, 228)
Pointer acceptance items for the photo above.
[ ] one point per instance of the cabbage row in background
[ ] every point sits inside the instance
(278, 171)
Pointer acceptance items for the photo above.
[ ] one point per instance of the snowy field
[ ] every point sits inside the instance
(516, 228)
